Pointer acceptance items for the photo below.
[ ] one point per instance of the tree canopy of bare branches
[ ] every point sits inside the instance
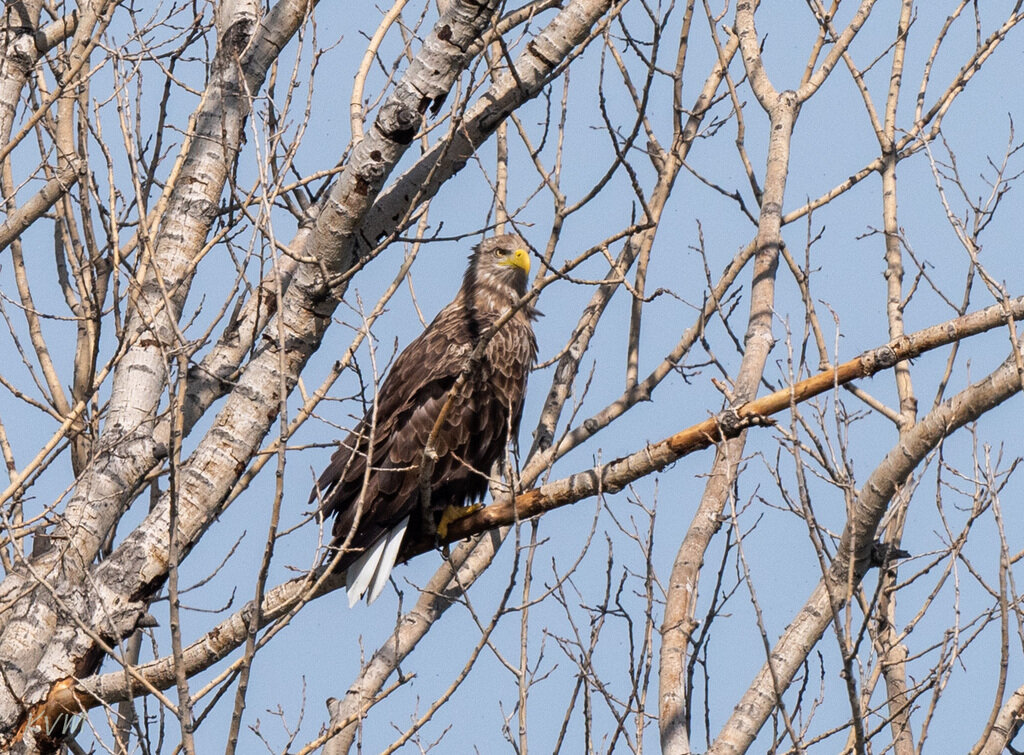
(764, 496)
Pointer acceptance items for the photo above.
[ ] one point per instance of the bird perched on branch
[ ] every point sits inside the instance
(467, 409)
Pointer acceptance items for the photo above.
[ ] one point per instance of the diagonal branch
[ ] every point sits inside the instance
(615, 475)
(39, 203)
(125, 582)
(231, 633)
(854, 557)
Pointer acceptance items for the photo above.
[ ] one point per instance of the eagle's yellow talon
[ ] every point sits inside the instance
(453, 514)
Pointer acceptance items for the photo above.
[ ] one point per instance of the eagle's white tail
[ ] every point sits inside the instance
(372, 569)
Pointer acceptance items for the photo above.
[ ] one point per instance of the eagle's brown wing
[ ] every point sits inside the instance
(475, 433)
(408, 404)
(483, 417)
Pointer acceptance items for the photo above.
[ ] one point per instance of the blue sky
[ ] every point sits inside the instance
(319, 654)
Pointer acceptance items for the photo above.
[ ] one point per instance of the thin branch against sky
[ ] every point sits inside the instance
(210, 265)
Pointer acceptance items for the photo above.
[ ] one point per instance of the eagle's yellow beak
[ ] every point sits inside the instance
(519, 258)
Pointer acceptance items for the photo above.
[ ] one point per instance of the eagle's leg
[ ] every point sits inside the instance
(452, 513)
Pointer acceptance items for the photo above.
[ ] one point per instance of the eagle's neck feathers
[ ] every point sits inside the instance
(494, 290)
(489, 289)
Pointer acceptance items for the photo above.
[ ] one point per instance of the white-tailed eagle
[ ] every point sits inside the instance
(373, 508)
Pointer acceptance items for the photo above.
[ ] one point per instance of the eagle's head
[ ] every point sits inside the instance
(497, 272)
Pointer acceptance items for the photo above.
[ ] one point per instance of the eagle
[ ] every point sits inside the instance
(372, 485)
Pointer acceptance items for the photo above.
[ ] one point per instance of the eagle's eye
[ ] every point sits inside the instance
(499, 252)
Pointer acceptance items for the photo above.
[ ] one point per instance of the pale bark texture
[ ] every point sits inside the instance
(786, 237)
